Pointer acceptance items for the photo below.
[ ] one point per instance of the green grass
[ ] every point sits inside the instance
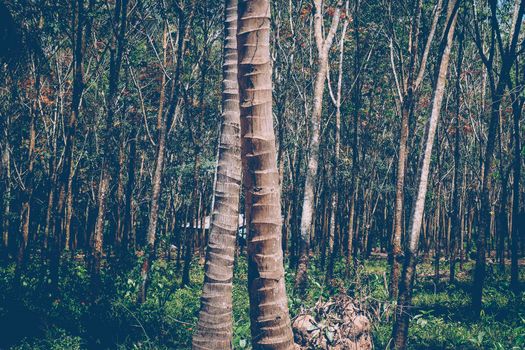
(441, 316)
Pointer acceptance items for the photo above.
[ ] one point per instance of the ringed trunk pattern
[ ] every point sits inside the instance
(214, 328)
(270, 321)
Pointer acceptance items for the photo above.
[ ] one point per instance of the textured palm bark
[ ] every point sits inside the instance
(214, 328)
(400, 328)
(270, 321)
(323, 47)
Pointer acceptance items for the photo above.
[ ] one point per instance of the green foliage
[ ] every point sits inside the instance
(56, 339)
(441, 318)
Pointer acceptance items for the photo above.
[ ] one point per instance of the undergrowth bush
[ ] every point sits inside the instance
(441, 317)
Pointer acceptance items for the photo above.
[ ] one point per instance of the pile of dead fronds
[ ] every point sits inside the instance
(337, 324)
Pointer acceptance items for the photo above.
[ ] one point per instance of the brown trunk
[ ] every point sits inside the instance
(214, 329)
(410, 89)
(127, 237)
(109, 163)
(70, 127)
(28, 190)
(270, 321)
(165, 126)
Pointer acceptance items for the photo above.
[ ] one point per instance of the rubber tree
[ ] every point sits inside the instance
(165, 124)
(407, 90)
(406, 283)
(455, 231)
(323, 45)
(497, 87)
(336, 100)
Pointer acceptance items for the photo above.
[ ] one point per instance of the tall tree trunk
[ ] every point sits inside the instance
(6, 194)
(400, 328)
(197, 193)
(335, 175)
(497, 93)
(28, 190)
(127, 239)
(410, 87)
(323, 47)
(517, 107)
(109, 163)
(214, 328)
(456, 220)
(70, 130)
(165, 125)
(270, 321)
(406, 109)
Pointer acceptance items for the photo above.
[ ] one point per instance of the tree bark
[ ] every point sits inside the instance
(214, 328)
(400, 328)
(335, 159)
(517, 107)
(270, 321)
(410, 88)
(497, 92)
(456, 220)
(323, 47)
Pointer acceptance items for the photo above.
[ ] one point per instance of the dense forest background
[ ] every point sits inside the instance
(143, 162)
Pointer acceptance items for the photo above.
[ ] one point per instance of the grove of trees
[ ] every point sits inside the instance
(196, 174)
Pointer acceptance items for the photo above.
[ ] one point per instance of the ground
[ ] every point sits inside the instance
(441, 319)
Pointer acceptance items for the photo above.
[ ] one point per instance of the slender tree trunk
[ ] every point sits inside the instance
(128, 240)
(109, 163)
(70, 130)
(486, 183)
(517, 106)
(270, 321)
(28, 191)
(407, 104)
(456, 220)
(335, 175)
(6, 196)
(400, 328)
(153, 214)
(98, 238)
(165, 125)
(323, 47)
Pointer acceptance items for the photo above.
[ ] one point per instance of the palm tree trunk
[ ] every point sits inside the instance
(214, 328)
(270, 321)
